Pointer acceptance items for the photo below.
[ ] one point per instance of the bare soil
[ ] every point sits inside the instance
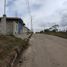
(7, 46)
(46, 51)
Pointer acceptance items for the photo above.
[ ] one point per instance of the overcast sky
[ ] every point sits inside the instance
(45, 13)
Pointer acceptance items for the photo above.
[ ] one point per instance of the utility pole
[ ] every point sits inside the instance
(29, 11)
(31, 25)
(16, 13)
(4, 7)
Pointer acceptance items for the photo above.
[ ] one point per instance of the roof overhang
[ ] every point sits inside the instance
(13, 19)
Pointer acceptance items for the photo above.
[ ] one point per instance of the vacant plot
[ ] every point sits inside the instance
(60, 34)
(7, 46)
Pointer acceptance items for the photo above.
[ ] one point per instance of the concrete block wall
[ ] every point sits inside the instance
(9, 27)
(3, 25)
(15, 28)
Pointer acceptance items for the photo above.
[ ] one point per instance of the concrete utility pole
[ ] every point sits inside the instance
(29, 11)
(4, 7)
(16, 13)
(31, 24)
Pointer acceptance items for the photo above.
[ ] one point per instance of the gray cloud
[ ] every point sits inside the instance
(44, 12)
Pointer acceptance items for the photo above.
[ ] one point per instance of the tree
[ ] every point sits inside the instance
(41, 31)
(54, 28)
(46, 30)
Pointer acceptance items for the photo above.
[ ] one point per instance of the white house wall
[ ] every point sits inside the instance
(25, 30)
(3, 26)
(0, 27)
(15, 27)
(9, 27)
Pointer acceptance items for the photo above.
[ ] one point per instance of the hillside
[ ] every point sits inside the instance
(7, 46)
(59, 34)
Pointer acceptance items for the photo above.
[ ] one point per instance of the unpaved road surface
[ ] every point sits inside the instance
(46, 51)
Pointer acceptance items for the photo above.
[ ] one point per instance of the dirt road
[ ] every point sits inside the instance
(46, 51)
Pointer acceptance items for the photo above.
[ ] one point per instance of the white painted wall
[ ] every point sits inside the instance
(15, 28)
(25, 30)
(3, 25)
(9, 27)
(0, 27)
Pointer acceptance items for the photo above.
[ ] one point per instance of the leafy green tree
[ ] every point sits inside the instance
(46, 30)
(54, 28)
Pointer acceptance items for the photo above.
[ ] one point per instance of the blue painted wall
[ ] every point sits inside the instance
(20, 27)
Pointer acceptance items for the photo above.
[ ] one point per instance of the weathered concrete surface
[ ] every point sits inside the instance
(23, 36)
(46, 51)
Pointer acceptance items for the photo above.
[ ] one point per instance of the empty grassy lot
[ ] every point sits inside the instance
(7, 45)
(60, 34)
